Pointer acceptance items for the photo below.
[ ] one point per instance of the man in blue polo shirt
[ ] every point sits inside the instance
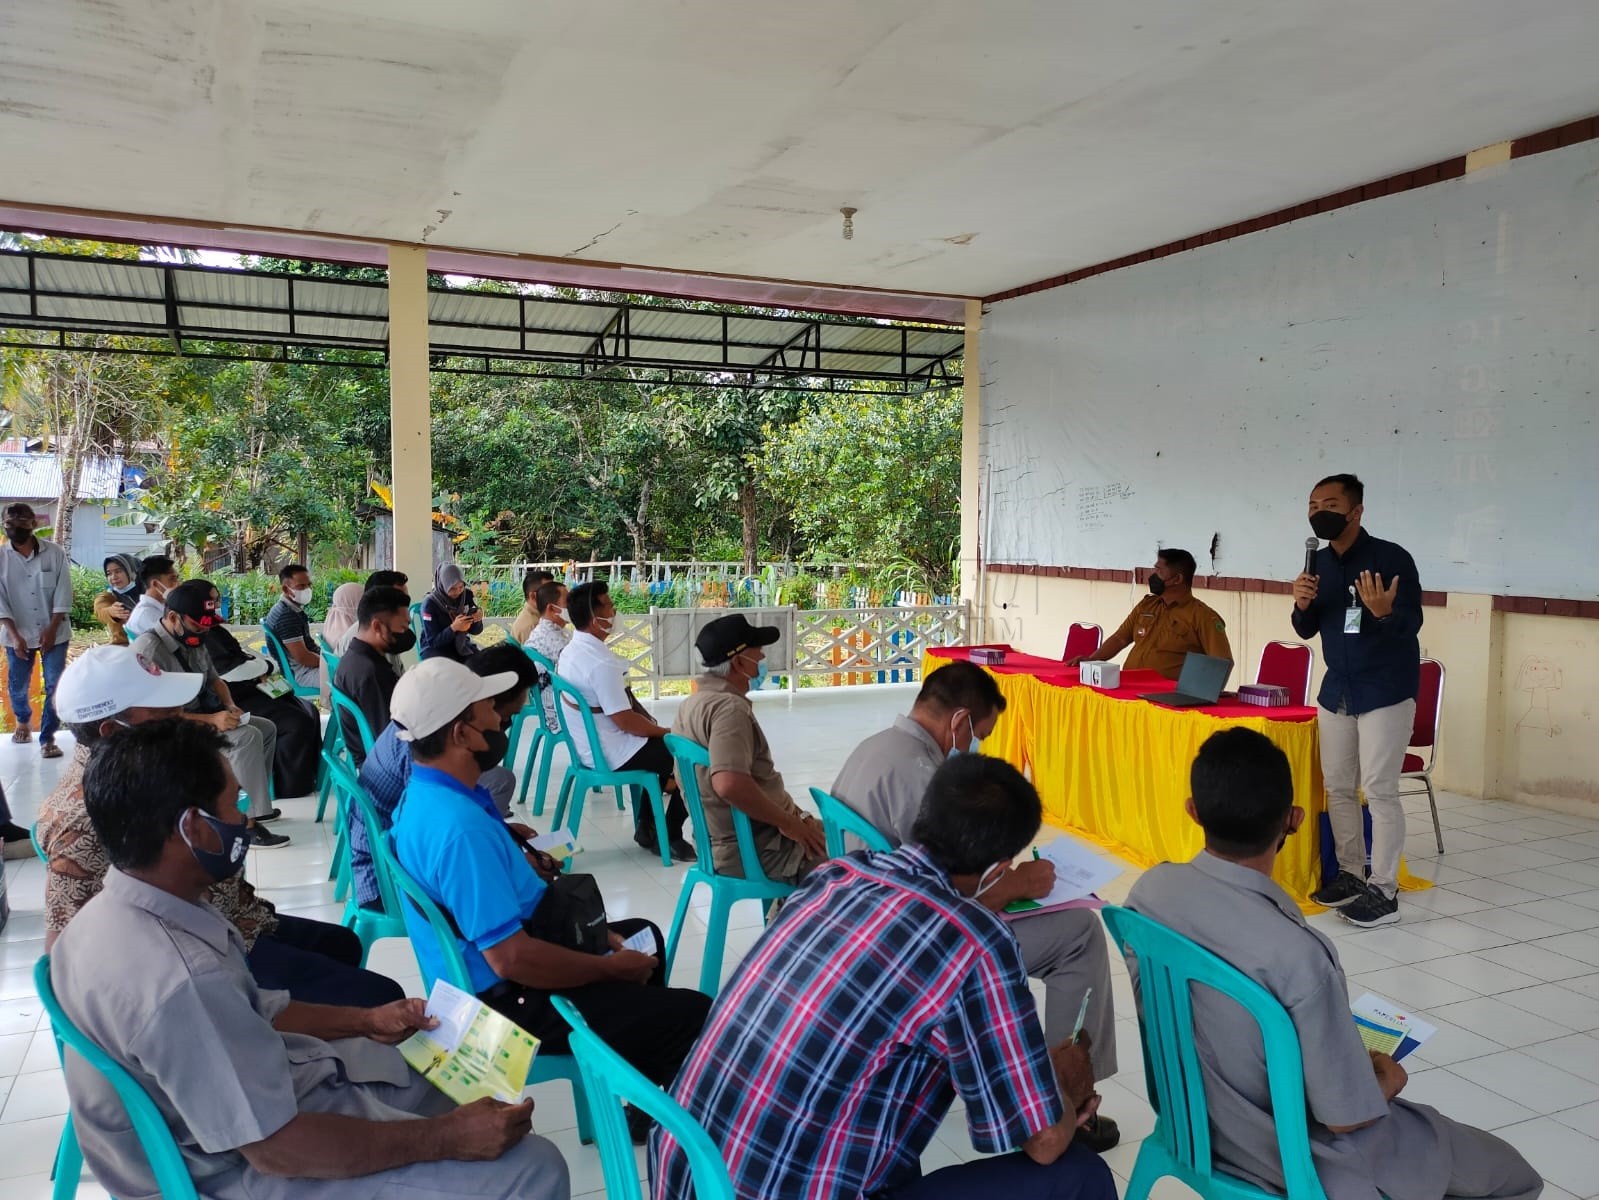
(1365, 600)
(450, 838)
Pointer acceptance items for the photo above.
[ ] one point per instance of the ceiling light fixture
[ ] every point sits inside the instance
(849, 223)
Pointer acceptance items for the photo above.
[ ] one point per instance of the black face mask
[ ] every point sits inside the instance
(494, 753)
(187, 637)
(400, 642)
(227, 862)
(1157, 585)
(1325, 523)
(20, 534)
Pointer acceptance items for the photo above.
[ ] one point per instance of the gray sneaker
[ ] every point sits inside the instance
(262, 838)
(1344, 889)
(1371, 910)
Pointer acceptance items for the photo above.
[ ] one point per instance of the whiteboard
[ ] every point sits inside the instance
(1439, 343)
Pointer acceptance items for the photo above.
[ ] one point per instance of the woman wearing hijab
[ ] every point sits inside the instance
(341, 615)
(123, 591)
(450, 617)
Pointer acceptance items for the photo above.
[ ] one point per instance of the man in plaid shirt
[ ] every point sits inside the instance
(879, 995)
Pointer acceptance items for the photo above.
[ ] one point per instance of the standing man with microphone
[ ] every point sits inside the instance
(1363, 596)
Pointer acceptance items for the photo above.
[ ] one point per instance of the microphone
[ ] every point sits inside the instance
(1311, 545)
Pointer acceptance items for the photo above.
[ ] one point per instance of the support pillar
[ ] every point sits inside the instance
(972, 499)
(410, 428)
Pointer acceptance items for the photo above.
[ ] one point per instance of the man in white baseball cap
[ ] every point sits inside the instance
(104, 691)
(435, 695)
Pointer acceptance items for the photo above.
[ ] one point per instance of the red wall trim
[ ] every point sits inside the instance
(1241, 583)
(1450, 168)
(1547, 606)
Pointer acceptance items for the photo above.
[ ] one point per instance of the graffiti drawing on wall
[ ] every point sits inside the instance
(1539, 677)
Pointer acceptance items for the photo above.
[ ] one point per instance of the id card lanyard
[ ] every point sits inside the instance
(1352, 613)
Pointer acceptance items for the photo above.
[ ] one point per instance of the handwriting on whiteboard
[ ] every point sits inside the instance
(1096, 503)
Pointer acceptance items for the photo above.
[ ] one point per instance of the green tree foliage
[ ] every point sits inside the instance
(874, 478)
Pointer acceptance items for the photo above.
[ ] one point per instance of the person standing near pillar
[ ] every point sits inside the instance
(35, 603)
(1364, 598)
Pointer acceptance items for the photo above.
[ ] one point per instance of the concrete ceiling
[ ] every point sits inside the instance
(984, 145)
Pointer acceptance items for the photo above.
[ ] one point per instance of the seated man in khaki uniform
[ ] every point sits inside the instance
(1166, 625)
(1364, 1140)
(719, 717)
(267, 1097)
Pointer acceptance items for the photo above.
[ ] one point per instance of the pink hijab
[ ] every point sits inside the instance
(341, 612)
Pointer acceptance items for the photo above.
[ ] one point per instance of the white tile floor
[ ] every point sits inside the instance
(1503, 956)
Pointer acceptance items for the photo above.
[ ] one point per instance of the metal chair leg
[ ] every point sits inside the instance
(1432, 800)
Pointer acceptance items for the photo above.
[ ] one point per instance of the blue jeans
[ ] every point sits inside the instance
(19, 670)
(1079, 1174)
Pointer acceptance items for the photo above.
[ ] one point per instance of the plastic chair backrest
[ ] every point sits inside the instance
(330, 658)
(348, 784)
(455, 971)
(160, 1148)
(1287, 664)
(343, 704)
(1429, 704)
(1169, 967)
(278, 653)
(839, 819)
(573, 715)
(1081, 638)
(610, 1081)
(690, 755)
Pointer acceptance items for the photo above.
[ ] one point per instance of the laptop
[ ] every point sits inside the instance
(1200, 683)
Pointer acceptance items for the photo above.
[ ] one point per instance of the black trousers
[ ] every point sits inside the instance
(299, 738)
(653, 1026)
(655, 758)
(318, 963)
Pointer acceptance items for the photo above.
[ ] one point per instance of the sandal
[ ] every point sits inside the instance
(49, 750)
(21, 735)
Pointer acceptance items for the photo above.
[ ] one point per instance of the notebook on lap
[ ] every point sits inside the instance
(1200, 683)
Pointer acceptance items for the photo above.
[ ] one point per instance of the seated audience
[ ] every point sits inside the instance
(450, 617)
(719, 717)
(342, 615)
(393, 579)
(177, 645)
(1167, 625)
(1364, 1140)
(263, 1093)
(157, 577)
(114, 606)
(630, 739)
(884, 780)
(550, 637)
(289, 623)
(531, 612)
(877, 997)
(103, 692)
(449, 838)
(258, 688)
(365, 674)
(387, 769)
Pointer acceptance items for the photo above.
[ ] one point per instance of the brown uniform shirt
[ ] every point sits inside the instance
(1163, 633)
(723, 721)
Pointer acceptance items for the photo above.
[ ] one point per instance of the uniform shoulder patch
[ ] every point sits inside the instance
(1220, 624)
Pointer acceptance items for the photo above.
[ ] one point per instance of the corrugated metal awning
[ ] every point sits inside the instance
(199, 309)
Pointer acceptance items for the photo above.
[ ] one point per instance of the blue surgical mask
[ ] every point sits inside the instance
(227, 862)
(760, 675)
(972, 747)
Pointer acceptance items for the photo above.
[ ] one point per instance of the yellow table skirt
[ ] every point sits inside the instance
(1115, 773)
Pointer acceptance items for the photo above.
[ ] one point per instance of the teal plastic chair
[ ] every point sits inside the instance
(1169, 967)
(336, 755)
(160, 1148)
(367, 925)
(573, 715)
(546, 1067)
(276, 650)
(611, 1082)
(333, 742)
(545, 741)
(726, 890)
(839, 819)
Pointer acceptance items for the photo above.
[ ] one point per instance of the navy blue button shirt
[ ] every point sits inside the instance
(1380, 665)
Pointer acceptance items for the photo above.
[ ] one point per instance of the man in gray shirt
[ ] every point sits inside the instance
(1364, 1140)
(885, 779)
(267, 1097)
(35, 604)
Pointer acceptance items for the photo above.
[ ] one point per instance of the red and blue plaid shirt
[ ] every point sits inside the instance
(831, 1057)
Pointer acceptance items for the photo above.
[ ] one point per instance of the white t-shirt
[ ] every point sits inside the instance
(601, 676)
